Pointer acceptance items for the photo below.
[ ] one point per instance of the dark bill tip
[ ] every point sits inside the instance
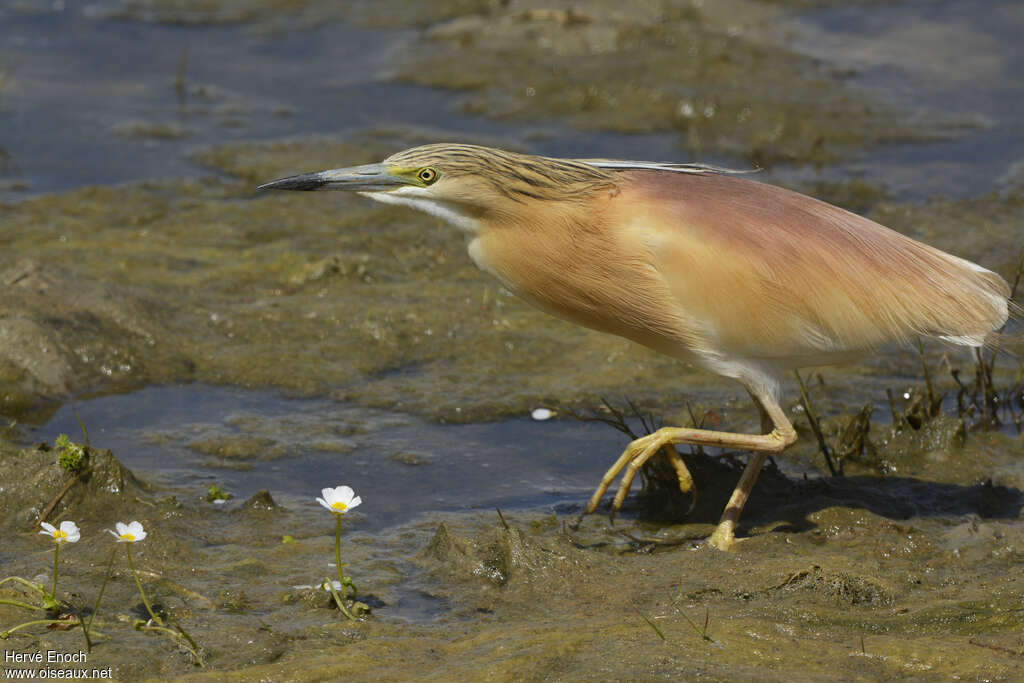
(306, 182)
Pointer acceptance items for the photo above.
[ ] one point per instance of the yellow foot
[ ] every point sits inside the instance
(724, 537)
(632, 459)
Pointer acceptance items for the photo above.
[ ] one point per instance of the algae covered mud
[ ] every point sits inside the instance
(218, 341)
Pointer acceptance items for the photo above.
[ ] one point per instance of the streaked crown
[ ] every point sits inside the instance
(515, 176)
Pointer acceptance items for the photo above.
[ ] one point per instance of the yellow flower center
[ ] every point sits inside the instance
(59, 536)
(128, 537)
(339, 507)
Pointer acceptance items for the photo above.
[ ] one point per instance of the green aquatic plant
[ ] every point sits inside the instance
(215, 493)
(71, 456)
(338, 501)
(702, 631)
(130, 534)
(67, 532)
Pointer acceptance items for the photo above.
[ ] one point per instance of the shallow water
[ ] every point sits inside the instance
(949, 56)
(179, 435)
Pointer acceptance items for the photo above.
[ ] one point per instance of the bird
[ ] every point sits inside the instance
(742, 278)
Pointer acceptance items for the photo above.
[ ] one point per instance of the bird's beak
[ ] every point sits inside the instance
(368, 178)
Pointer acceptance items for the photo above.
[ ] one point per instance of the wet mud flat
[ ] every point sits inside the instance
(906, 567)
(836, 579)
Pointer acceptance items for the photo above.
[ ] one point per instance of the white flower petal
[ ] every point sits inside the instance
(354, 502)
(122, 528)
(136, 530)
(324, 503)
(72, 531)
(47, 528)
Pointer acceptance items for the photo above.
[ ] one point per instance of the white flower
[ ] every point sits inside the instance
(129, 533)
(339, 500)
(541, 414)
(67, 533)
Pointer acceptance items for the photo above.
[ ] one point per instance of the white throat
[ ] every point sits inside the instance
(418, 198)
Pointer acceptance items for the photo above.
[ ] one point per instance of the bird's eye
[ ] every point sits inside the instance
(427, 175)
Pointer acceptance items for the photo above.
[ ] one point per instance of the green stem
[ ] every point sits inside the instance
(345, 582)
(21, 580)
(192, 642)
(8, 632)
(337, 600)
(193, 650)
(337, 548)
(56, 554)
(25, 605)
(96, 607)
(38, 587)
(138, 583)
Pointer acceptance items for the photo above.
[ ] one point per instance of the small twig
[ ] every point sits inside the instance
(927, 377)
(892, 408)
(698, 449)
(502, 518)
(60, 494)
(984, 383)
(656, 541)
(997, 648)
(990, 366)
(815, 426)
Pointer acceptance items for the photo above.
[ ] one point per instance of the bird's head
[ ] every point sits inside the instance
(462, 183)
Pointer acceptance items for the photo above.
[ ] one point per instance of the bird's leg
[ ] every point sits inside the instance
(639, 451)
(771, 414)
(766, 420)
(633, 466)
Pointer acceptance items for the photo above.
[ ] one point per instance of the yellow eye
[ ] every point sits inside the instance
(427, 175)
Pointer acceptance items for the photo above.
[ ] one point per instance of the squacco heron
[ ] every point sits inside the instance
(742, 278)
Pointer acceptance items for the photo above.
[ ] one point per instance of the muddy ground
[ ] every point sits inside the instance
(906, 567)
